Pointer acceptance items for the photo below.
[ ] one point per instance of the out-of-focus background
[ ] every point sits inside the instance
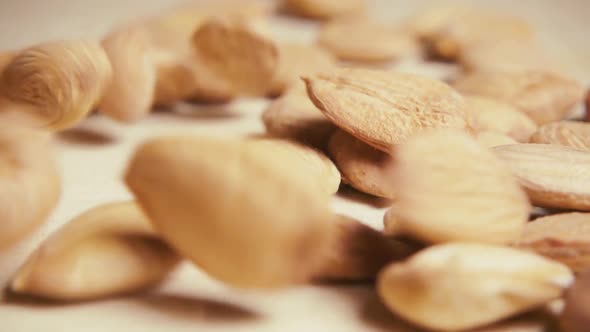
(563, 25)
(191, 301)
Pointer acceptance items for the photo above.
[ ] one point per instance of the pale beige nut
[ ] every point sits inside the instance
(5, 58)
(553, 176)
(562, 237)
(296, 60)
(293, 116)
(325, 9)
(130, 96)
(362, 166)
(362, 40)
(57, 84)
(175, 81)
(588, 106)
(568, 133)
(108, 250)
(246, 219)
(448, 31)
(243, 61)
(180, 74)
(459, 286)
(450, 188)
(505, 55)
(314, 164)
(543, 96)
(358, 252)
(385, 108)
(30, 184)
(173, 29)
(488, 114)
(576, 314)
(492, 139)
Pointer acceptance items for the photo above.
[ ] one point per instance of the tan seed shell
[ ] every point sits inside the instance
(543, 96)
(487, 114)
(296, 60)
(553, 176)
(246, 219)
(366, 41)
(245, 60)
(108, 250)
(449, 31)
(568, 133)
(5, 58)
(293, 116)
(58, 83)
(459, 286)
(450, 188)
(363, 167)
(130, 95)
(325, 9)
(588, 106)
(562, 237)
(385, 108)
(505, 55)
(180, 75)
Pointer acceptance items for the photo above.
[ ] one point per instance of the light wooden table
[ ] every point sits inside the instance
(94, 156)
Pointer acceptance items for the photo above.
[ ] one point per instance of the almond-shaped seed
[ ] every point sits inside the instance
(451, 188)
(576, 314)
(58, 84)
(588, 106)
(293, 116)
(296, 60)
(246, 219)
(317, 166)
(130, 95)
(492, 139)
(553, 176)
(487, 114)
(505, 55)
(562, 237)
(30, 184)
(325, 9)
(244, 60)
(448, 31)
(459, 286)
(542, 95)
(362, 166)
(180, 75)
(108, 250)
(5, 58)
(385, 108)
(358, 252)
(568, 133)
(173, 30)
(362, 40)
(175, 81)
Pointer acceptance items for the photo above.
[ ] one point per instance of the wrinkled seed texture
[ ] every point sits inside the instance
(553, 176)
(385, 108)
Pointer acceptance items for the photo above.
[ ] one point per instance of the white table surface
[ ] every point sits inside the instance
(94, 156)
